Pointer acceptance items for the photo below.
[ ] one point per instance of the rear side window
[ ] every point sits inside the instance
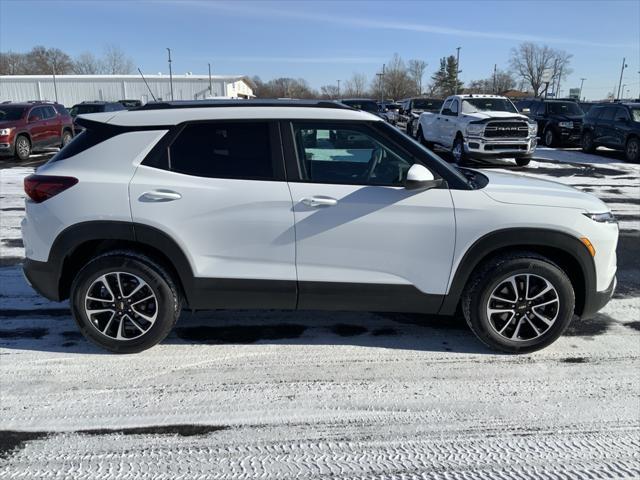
(608, 113)
(83, 141)
(222, 150)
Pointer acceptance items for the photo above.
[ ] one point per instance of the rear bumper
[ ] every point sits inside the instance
(597, 300)
(43, 277)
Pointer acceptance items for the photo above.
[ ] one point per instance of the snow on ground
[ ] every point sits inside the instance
(280, 395)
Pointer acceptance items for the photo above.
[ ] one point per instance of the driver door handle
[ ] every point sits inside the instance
(319, 201)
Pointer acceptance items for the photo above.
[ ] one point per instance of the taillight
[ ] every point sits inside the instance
(42, 187)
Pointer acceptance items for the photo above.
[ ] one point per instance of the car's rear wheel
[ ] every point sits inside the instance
(23, 147)
(66, 138)
(549, 138)
(588, 146)
(124, 302)
(519, 303)
(632, 150)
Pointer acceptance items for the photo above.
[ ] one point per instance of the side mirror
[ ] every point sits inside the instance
(420, 178)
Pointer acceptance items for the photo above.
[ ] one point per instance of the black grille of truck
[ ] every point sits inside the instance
(506, 130)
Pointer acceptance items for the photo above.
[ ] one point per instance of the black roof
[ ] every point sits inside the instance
(241, 103)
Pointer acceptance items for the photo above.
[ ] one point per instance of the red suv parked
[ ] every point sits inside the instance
(26, 127)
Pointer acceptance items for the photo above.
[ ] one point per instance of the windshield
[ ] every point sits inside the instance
(84, 109)
(564, 108)
(365, 105)
(473, 105)
(635, 114)
(431, 105)
(8, 113)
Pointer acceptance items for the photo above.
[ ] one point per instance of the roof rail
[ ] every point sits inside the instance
(242, 103)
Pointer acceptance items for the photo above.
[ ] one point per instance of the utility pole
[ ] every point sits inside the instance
(55, 87)
(495, 69)
(457, 69)
(581, 83)
(338, 88)
(381, 82)
(170, 74)
(210, 84)
(622, 97)
(624, 65)
(559, 78)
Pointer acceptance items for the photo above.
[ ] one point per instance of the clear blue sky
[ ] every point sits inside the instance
(330, 40)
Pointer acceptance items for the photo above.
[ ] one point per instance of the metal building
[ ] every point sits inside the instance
(72, 89)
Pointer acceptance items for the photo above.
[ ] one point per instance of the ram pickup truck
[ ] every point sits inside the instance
(479, 126)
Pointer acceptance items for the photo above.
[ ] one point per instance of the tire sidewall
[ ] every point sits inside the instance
(549, 137)
(627, 157)
(168, 304)
(551, 273)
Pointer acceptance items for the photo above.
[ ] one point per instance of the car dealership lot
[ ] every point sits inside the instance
(318, 394)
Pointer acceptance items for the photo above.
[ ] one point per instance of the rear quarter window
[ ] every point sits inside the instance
(81, 142)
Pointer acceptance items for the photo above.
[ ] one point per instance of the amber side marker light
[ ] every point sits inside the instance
(589, 246)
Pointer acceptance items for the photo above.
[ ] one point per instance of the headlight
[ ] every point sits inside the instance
(475, 129)
(5, 131)
(606, 217)
(533, 128)
(565, 124)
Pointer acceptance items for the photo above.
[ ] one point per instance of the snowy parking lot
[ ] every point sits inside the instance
(278, 395)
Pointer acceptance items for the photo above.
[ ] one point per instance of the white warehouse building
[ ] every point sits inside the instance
(72, 89)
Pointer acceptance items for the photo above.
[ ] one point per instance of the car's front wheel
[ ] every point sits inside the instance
(124, 302)
(23, 147)
(457, 151)
(632, 150)
(519, 303)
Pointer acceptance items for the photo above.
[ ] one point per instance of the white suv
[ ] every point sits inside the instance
(302, 205)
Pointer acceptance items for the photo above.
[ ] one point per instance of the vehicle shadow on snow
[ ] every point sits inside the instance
(274, 327)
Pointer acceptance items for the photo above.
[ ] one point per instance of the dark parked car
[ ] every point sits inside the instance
(27, 127)
(93, 107)
(613, 125)
(128, 104)
(390, 111)
(411, 108)
(559, 121)
(364, 104)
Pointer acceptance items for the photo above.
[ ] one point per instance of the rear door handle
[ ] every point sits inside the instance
(319, 201)
(160, 196)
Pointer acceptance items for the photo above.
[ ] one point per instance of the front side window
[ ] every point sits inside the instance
(48, 112)
(222, 150)
(608, 113)
(593, 113)
(36, 114)
(348, 154)
(454, 107)
(427, 105)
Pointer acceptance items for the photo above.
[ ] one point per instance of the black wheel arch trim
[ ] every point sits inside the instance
(512, 238)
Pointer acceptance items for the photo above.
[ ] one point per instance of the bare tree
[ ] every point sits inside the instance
(356, 86)
(416, 72)
(12, 63)
(500, 82)
(329, 91)
(44, 61)
(87, 64)
(530, 61)
(116, 62)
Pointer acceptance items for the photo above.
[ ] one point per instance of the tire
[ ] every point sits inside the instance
(123, 327)
(524, 334)
(23, 147)
(588, 146)
(66, 138)
(457, 151)
(549, 138)
(523, 161)
(632, 150)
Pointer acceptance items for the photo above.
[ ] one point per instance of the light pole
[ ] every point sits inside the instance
(170, 74)
(581, 84)
(338, 88)
(457, 69)
(624, 65)
(381, 81)
(622, 92)
(210, 84)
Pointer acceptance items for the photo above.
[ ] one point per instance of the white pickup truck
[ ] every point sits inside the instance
(479, 126)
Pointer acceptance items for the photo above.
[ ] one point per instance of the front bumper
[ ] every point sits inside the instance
(597, 300)
(481, 147)
(7, 145)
